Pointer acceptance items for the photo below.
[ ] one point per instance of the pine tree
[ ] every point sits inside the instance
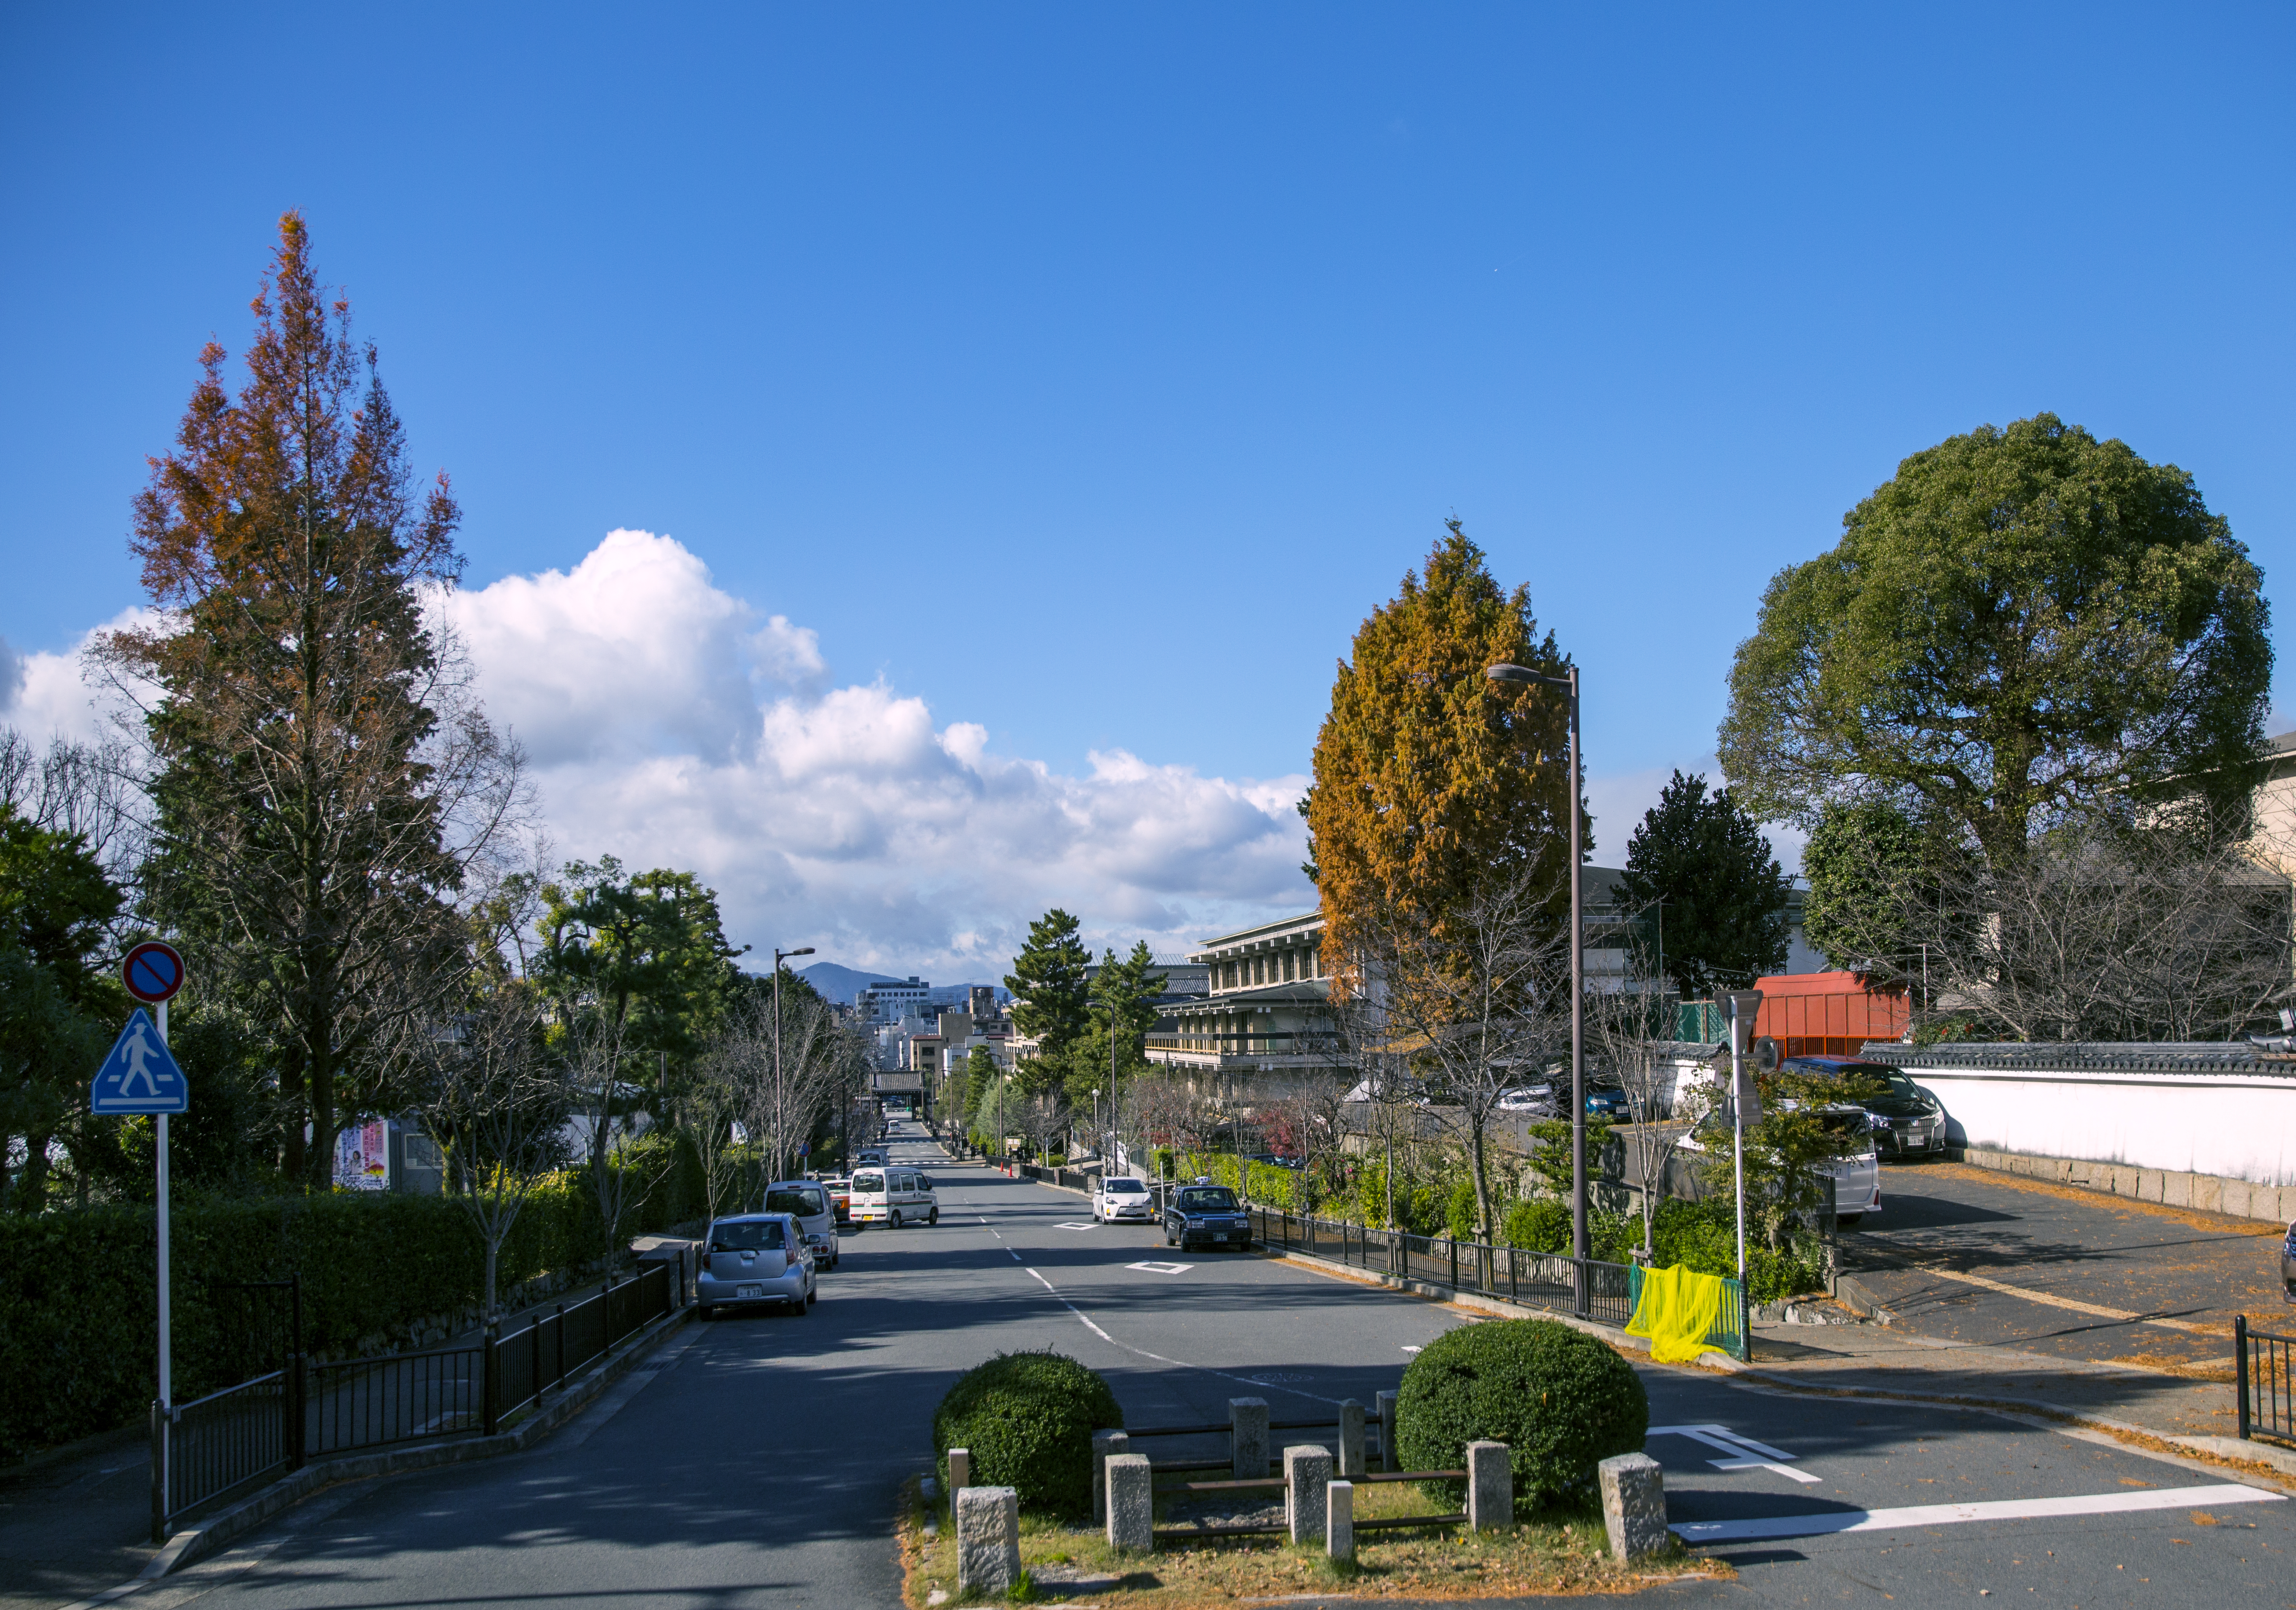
(1051, 1003)
(321, 790)
(1432, 780)
(1724, 916)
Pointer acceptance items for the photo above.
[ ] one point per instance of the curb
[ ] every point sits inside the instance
(1859, 1299)
(194, 1544)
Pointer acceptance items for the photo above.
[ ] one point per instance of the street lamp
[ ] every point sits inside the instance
(780, 1112)
(1517, 675)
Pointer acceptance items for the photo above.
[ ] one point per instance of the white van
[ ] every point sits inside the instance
(893, 1194)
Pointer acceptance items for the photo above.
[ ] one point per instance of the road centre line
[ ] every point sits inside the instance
(1998, 1509)
(2031, 1295)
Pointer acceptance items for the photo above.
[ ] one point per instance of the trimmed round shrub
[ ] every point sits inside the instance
(1027, 1420)
(1560, 1399)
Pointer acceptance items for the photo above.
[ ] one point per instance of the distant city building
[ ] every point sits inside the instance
(888, 1003)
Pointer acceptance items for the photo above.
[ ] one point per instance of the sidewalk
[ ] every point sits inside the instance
(80, 1520)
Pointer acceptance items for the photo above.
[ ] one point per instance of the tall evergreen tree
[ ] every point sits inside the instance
(320, 787)
(1431, 780)
(1051, 1003)
(1724, 912)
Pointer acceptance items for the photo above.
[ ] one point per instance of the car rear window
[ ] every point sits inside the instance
(868, 1179)
(807, 1203)
(1216, 1199)
(747, 1236)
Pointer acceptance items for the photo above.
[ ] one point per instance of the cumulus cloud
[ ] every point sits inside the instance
(45, 695)
(673, 724)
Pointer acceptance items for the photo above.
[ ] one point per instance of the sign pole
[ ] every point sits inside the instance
(167, 1359)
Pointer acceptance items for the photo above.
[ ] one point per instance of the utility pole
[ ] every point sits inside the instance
(781, 1112)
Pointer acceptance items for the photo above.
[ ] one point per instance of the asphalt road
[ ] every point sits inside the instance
(757, 1463)
(2095, 1277)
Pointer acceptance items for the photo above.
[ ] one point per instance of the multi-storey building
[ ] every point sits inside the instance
(1267, 1011)
(893, 1000)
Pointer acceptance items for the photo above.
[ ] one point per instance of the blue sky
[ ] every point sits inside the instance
(1083, 375)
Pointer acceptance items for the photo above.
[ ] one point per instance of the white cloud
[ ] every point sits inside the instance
(44, 694)
(671, 726)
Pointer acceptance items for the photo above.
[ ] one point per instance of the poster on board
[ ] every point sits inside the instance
(363, 1156)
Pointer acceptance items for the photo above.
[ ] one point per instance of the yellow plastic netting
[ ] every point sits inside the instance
(1677, 1308)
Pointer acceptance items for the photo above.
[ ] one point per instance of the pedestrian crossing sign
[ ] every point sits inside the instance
(139, 1076)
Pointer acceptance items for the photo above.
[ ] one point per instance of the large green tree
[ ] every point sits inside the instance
(1704, 865)
(322, 783)
(1431, 780)
(646, 952)
(1052, 1002)
(2021, 623)
(1872, 872)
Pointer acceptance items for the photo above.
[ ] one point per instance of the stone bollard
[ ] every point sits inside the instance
(1104, 1443)
(1384, 1404)
(1340, 1520)
(1634, 1505)
(1351, 1463)
(1247, 1421)
(1307, 1475)
(960, 1471)
(1131, 1504)
(1490, 1488)
(988, 1540)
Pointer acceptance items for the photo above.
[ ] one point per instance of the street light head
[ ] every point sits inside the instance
(1518, 675)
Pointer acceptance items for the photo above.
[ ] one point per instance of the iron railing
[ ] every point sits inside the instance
(1586, 1287)
(232, 1438)
(2266, 1386)
(404, 1398)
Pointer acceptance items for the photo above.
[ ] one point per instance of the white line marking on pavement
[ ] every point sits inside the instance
(1079, 1312)
(1076, 1227)
(1939, 1515)
(2031, 1295)
(1707, 1433)
(1015, 1256)
(1408, 1348)
(1802, 1476)
(1155, 1267)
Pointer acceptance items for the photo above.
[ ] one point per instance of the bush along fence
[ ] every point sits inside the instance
(379, 1271)
(222, 1444)
(1587, 1288)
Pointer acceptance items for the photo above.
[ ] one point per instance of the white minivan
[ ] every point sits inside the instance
(893, 1194)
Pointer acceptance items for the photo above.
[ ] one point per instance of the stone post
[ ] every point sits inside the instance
(1131, 1504)
(988, 1540)
(1104, 1443)
(1352, 1438)
(1389, 1459)
(960, 1471)
(1634, 1505)
(1307, 1475)
(1490, 1487)
(1247, 1420)
(1340, 1520)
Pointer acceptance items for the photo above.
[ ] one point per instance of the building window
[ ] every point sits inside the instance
(1289, 961)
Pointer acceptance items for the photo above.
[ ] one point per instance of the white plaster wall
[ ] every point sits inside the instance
(2240, 1127)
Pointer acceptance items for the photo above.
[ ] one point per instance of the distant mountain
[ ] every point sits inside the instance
(840, 984)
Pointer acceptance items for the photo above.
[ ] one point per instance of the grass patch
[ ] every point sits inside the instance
(1563, 1550)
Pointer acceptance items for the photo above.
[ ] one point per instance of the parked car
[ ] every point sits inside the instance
(894, 1195)
(1527, 1098)
(808, 1202)
(2288, 1266)
(1908, 1121)
(1204, 1214)
(1121, 1197)
(1857, 1173)
(870, 1155)
(755, 1261)
(840, 1187)
(1610, 1104)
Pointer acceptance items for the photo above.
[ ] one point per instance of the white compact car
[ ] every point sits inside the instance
(1121, 1197)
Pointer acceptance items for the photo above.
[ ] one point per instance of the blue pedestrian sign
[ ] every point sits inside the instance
(139, 1076)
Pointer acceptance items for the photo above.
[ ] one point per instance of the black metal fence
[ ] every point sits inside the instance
(2266, 1385)
(1586, 1287)
(233, 1438)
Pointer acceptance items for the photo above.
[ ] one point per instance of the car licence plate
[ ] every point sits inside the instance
(749, 1291)
(1221, 1236)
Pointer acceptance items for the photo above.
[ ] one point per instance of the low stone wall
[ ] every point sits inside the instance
(2208, 1193)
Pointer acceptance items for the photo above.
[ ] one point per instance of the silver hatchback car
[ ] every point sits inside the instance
(753, 1259)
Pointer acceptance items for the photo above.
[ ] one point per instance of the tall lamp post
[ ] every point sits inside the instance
(1518, 675)
(779, 1110)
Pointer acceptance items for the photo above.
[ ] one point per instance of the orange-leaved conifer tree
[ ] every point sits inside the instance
(322, 784)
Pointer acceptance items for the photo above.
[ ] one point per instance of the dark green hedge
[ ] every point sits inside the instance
(1561, 1400)
(79, 1345)
(1027, 1420)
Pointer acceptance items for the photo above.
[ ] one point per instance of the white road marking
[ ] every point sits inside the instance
(1076, 1227)
(1162, 1268)
(1015, 1256)
(2002, 1509)
(1408, 1348)
(1737, 1446)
